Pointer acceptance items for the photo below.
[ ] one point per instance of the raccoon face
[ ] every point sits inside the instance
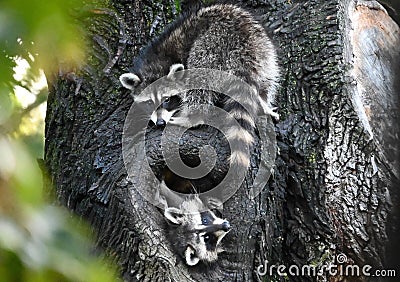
(167, 105)
(198, 231)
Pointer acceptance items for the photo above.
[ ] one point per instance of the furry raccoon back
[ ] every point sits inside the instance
(230, 39)
(223, 37)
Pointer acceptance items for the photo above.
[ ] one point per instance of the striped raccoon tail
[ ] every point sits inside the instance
(243, 106)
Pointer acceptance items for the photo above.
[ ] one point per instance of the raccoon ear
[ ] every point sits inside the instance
(190, 256)
(173, 215)
(173, 69)
(129, 80)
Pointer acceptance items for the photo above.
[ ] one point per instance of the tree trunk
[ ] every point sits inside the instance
(333, 190)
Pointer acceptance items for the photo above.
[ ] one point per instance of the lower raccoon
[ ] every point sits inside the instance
(194, 229)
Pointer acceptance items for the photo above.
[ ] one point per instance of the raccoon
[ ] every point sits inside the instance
(195, 231)
(223, 37)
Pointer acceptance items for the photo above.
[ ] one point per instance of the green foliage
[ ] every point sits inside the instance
(43, 34)
(38, 242)
(41, 247)
(45, 28)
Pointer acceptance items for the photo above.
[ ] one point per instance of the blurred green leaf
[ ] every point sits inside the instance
(42, 247)
(45, 29)
(38, 242)
(6, 106)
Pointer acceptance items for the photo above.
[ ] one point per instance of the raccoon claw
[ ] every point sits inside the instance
(179, 121)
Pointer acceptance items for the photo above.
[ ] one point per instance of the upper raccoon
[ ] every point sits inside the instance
(223, 37)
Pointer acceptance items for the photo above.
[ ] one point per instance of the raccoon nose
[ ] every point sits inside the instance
(160, 122)
(226, 226)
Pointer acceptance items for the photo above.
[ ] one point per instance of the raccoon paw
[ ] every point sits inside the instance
(271, 111)
(184, 122)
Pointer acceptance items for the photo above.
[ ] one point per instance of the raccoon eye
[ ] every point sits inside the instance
(206, 238)
(205, 221)
(207, 218)
(165, 103)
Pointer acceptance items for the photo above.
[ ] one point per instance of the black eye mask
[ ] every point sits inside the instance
(171, 103)
(211, 241)
(206, 218)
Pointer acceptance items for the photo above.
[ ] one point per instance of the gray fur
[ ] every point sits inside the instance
(223, 37)
(236, 43)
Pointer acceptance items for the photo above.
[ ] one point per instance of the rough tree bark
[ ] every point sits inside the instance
(331, 192)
